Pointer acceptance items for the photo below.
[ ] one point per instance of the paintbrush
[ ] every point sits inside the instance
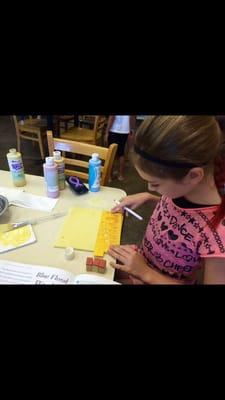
(130, 211)
(13, 225)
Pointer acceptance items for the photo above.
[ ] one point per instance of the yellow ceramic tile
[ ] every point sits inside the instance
(91, 230)
(80, 229)
(109, 232)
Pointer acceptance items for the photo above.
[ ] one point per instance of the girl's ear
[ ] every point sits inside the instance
(194, 176)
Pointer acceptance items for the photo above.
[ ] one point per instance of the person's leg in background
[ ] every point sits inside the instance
(121, 153)
(113, 138)
(121, 168)
(121, 140)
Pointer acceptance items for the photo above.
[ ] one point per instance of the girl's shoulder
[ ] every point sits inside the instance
(183, 208)
(196, 223)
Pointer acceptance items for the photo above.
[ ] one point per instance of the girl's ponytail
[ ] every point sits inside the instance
(219, 176)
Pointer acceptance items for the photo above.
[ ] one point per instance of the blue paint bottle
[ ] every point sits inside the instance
(94, 173)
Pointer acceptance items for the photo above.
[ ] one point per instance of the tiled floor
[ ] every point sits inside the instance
(133, 228)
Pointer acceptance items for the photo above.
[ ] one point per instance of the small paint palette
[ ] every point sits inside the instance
(3, 204)
(16, 238)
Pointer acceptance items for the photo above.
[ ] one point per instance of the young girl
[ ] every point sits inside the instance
(118, 130)
(178, 156)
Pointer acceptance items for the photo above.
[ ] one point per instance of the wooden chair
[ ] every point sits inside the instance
(87, 135)
(86, 121)
(107, 155)
(31, 129)
(65, 119)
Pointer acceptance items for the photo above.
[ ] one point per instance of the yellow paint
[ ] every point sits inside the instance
(15, 237)
(109, 232)
(90, 229)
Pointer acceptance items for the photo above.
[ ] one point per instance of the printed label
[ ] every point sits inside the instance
(15, 165)
(61, 169)
(97, 173)
(53, 188)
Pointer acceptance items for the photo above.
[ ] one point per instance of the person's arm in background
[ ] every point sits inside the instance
(109, 125)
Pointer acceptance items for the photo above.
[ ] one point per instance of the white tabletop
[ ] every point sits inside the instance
(43, 251)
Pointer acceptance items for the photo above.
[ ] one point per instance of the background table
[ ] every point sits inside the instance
(43, 251)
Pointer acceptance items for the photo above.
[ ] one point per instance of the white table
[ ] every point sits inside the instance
(43, 251)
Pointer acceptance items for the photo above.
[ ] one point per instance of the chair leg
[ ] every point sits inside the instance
(33, 140)
(58, 128)
(41, 146)
(18, 142)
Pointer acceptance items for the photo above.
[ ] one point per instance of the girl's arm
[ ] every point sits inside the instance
(134, 264)
(214, 271)
(134, 201)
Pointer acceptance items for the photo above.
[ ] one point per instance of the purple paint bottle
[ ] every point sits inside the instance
(51, 177)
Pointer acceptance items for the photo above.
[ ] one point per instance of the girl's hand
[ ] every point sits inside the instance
(133, 201)
(132, 262)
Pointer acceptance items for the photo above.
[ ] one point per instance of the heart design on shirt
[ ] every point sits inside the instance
(186, 247)
(159, 216)
(172, 235)
(164, 226)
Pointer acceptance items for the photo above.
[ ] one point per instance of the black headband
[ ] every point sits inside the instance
(167, 163)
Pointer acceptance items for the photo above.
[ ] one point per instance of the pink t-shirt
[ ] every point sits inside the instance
(177, 239)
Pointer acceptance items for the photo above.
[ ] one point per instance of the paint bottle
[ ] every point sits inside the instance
(16, 167)
(94, 173)
(59, 160)
(51, 177)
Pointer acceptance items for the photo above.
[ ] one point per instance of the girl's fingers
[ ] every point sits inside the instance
(116, 266)
(117, 255)
(117, 209)
(125, 249)
(119, 266)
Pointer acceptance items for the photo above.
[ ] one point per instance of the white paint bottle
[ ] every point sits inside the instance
(16, 167)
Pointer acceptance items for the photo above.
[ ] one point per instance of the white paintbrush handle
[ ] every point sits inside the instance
(133, 213)
(130, 211)
(36, 220)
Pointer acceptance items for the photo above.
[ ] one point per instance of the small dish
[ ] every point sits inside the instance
(3, 204)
